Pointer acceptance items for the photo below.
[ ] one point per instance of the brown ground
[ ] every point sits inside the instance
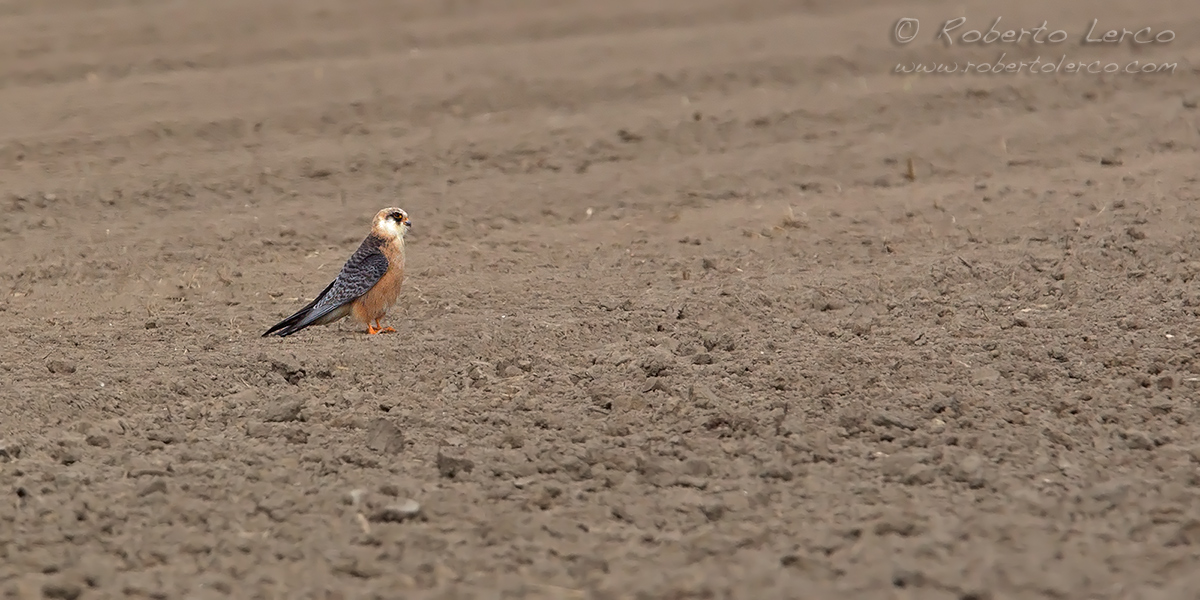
(676, 325)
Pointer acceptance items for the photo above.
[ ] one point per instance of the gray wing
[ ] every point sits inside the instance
(360, 273)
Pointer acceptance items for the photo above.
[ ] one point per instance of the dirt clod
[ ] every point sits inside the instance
(9, 451)
(384, 437)
(451, 467)
(62, 591)
(284, 411)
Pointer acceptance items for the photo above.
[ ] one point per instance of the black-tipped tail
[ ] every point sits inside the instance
(291, 324)
(301, 319)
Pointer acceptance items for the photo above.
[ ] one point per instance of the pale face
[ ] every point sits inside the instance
(393, 222)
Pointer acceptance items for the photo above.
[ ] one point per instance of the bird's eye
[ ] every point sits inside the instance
(396, 216)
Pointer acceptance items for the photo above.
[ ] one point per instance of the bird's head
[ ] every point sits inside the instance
(391, 223)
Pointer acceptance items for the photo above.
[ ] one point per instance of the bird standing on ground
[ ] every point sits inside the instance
(368, 285)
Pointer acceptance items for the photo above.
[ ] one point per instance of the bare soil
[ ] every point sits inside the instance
(680, 319)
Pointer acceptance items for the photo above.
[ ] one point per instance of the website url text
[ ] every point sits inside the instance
(1034, 67)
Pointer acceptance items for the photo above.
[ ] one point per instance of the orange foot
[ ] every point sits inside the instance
(372, 329)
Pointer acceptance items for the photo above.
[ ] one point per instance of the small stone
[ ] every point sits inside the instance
(396, 513)
(60, 367)
(156, 486)
(98, 440)
(355, 497)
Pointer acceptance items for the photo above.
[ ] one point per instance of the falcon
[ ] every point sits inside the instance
(368, 284)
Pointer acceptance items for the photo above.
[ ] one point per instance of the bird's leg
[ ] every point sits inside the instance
(383, 329)
(375, 327)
